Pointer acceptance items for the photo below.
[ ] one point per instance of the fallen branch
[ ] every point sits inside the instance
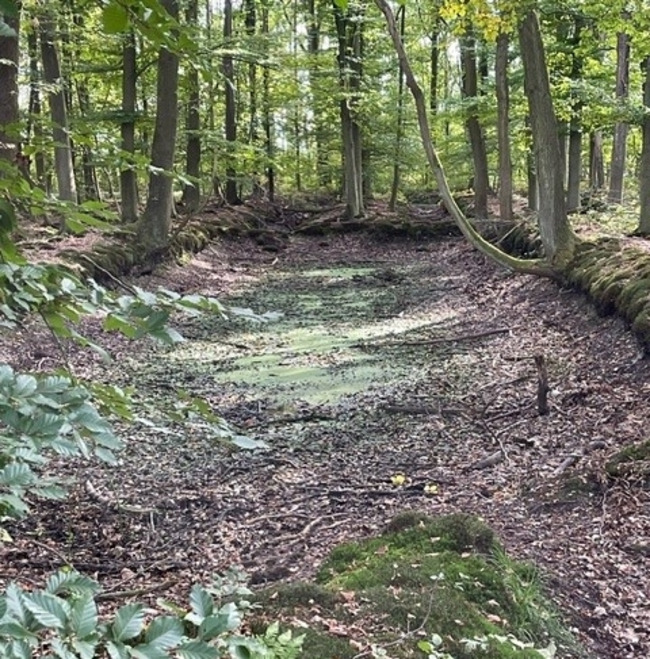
(136, 592)
(570, 460)
(116, 505)
(490, 461)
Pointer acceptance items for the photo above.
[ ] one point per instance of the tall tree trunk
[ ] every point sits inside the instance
(35, 120)
(348, 28)
(232, 196)
(503, 128)
(9, 90)
(192, 191)
(128, 179)
(474, 129)
(644, 175)
(154, 226)
(619, 147)
(596, 161)
(555, 230)
(575, 125)
(401, 17)
(63, 166)
(320, 128)
(267, 119)
(434, 65)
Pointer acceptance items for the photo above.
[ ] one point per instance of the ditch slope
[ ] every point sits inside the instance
(401, 376)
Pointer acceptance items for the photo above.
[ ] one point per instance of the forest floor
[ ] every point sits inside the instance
(392, 359)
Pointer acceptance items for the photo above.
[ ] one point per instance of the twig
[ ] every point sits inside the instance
(62, 557)
(136, 592)
(116, 505)
(109, 274)
(405, 636)
(490, 461)
(446, 339)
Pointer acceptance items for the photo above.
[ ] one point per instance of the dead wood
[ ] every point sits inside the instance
(542, 385)
(490, 461)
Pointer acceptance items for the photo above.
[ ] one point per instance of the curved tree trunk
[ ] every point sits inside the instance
(153, 229)
(519, 265)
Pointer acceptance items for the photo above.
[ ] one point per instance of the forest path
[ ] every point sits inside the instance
(391, 360)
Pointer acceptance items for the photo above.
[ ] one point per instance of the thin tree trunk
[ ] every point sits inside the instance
(575, 125)
(596, 161)
(474, 129)
(348, 32)
(128, 181)
(154, 226)
(619, 147)
(644, 175)
(192, 191)
(401, 17)
(503, 127)
(232, 196)
(9, 52)
(35, 120)
(555, 230)
(67, 188)
(267, 120)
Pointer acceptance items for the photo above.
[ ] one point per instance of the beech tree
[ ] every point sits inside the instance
(154, 225)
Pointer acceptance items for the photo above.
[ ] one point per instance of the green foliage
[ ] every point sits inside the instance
(63, 620)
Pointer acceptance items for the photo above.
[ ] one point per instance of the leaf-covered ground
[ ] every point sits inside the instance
(401, 376)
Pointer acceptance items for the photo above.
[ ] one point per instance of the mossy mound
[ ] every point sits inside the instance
(631, 463)
(617, 280)
(443, 581)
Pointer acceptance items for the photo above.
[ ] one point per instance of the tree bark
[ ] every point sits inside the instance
(503, 128)
(267, 120)
(9, 52)
(555, 230)
(619, 147)
(575, 125)
(348, 28)
(154, 226)
(35, 120)
(128, 179)
(644, 175)
(528, 266)
(63, 166)
(596, 161)
(192, 191)
(232, 195)
(474, 128)
(401, 16)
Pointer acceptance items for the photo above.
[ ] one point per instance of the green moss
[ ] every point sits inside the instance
(632, 460)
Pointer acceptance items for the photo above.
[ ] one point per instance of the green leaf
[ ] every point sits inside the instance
(83, 619)
(201, 602)
(197, 650)
(117, 650)
(16, 475)
(146, 651)
(9, 7)
(128, 623)
(165, 632)
(115, 18)
(49, 610)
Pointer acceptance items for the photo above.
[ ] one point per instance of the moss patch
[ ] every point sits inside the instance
(444, 581)
(633, 462)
